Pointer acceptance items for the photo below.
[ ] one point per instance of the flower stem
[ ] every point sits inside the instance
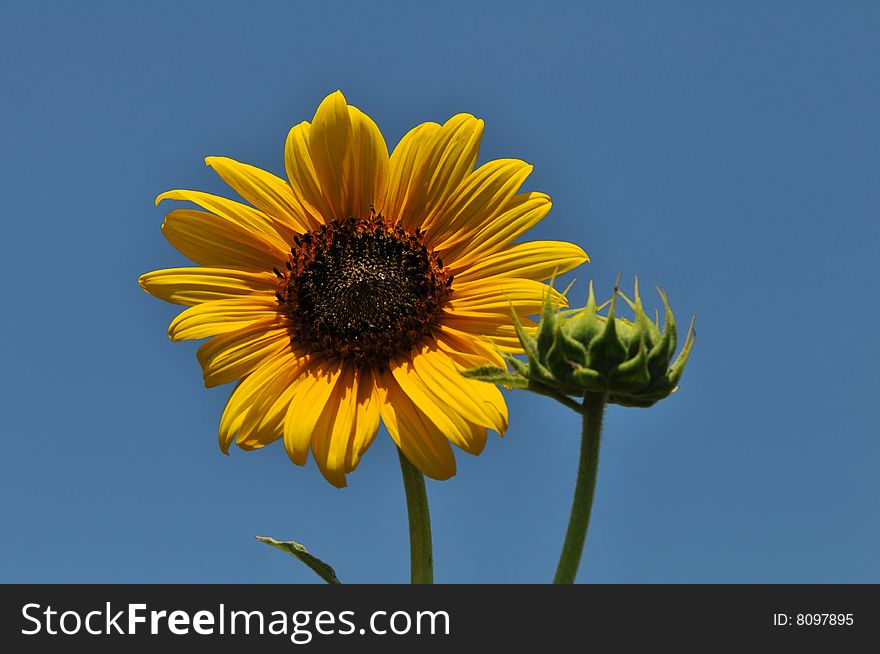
(421, 557)
(582, 504)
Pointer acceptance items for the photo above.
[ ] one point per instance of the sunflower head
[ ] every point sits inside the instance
(581, 351)
(353, 291)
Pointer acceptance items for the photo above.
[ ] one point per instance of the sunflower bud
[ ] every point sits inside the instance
(580, 351)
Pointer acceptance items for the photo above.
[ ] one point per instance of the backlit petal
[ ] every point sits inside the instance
(268, 193)
(315, 386)
(368, 160)
(494, 232)
(481, 198)
(329, 143)
(228, 357)
(477, 402)
(189, 286)
(449, 419)
(433, 164)
(237, 213)
(303, 178)
(221, 316)
(367, 419)
(211, 240)
(241, 403)
(418, 438)
(538, 260)
(335, 428)
(407, 176)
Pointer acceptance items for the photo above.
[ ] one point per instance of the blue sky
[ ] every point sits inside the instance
(729, 152)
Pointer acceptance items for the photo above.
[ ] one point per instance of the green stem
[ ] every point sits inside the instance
(421, 557)
(582, 504)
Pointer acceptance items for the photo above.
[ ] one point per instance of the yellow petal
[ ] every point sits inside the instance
(407, 176)
(477, 402)
(480, 199)
(334, 429)
(231, 356)
(221, 316)
(349, 158)
(418, 438)
(268, 193)
(212, 241)
(367, 419)
(302, 175)
(248, 218)
(329, 143)
(233, 416)
(265, 421)
(468, 350)
(497, 296)
(521, 213)
(441, 159)
(189, 286)
(483, 308)
(449, 419)
(314, 387)
(241, 402)
(498, 332)
(368, 161)
(538, 260)
(452, 156)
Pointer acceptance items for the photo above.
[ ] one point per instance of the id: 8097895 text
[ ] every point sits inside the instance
(813, 619)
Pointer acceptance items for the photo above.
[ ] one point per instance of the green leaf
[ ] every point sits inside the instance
(496, 375)
(293, 548)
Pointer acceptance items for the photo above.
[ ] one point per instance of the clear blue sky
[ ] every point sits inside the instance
(727, 151)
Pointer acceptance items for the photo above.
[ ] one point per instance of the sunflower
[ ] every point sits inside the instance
(356, 291)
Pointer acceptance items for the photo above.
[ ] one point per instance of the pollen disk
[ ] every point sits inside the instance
(362, 289)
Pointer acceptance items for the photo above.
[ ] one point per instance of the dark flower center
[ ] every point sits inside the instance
(362, 289)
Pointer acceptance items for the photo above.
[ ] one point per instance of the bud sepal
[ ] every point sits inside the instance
(579, 351)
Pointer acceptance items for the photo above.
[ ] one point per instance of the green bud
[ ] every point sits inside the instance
(629, 361)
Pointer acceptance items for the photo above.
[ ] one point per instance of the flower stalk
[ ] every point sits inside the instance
(421, 555)
(593, 408)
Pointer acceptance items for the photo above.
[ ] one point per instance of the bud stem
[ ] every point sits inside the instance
(593, 408)
(421, 556)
